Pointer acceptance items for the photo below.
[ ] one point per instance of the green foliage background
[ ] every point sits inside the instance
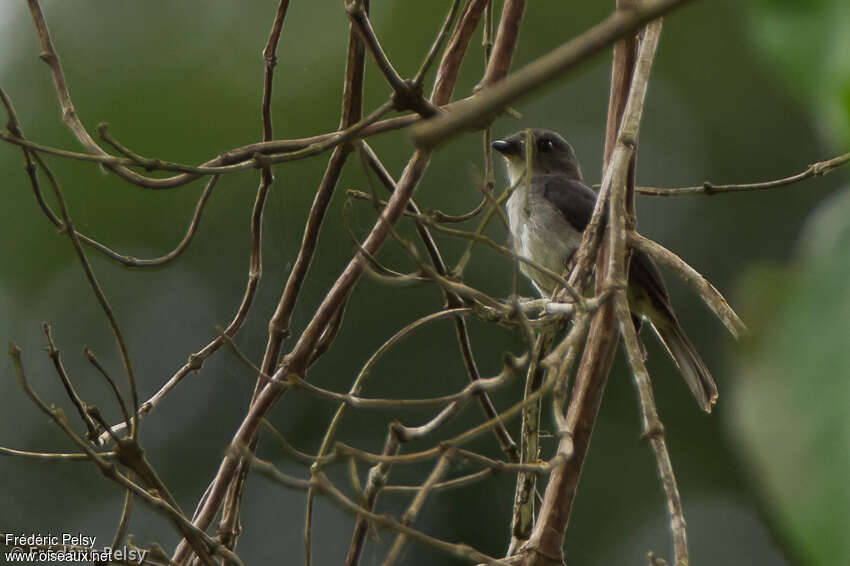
(736, 95)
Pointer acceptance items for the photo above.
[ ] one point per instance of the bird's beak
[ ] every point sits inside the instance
(504, 147)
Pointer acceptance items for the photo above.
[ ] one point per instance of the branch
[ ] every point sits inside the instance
(301, 354)
(455, 51)
(707, 188)
(79, 404)
(397, 434)
(119, 399)
(653, 430)
(229, 526)
(499, 61)
(705, 290)
(344, 450)
(454, 483)
(100, 296)
(377, 477)
(14, 129)
(200, 542)
(252, 156)
(544, 545)
(566, 350)
(248, 156)
(522, 519)
(270, 60)
(321, 484)
(298, 359)
(69, 115)
(54, 456)
(431, 55)
(196, 359)
(440, 469)
(407, 94)
(429, 221)
(351, 112)
(483, 107)
(182, 246)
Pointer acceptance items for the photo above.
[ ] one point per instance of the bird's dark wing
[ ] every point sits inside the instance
(644, 272)
(575, 201)
(571, 197)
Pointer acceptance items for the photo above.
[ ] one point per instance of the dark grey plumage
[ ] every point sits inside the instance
(548, 212)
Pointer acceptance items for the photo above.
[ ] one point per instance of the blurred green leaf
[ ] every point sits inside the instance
(791, 399)
(808, 43)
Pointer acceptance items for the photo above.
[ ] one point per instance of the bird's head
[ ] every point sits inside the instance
(546, 150)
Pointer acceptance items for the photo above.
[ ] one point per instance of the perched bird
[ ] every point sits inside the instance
(547, 213)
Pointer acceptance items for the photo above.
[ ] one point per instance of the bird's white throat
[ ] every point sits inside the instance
(515, 168)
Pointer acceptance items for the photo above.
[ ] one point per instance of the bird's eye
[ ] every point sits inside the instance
(545, 145)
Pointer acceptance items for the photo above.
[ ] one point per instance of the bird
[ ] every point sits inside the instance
(547, 212)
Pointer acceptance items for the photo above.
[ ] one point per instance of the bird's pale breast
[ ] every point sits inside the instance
(541, 234)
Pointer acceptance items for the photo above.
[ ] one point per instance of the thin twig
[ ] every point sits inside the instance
(499, 61)
(98, 292)
(444, 218)
(539, 467)
(120, 165)
(192, 229)
(376, 479)
(569, 347)
(298, 455)
(197, 538)
(79, 404)
(544, 544)
(54, 456)
(480, 109)
(455, 51)
(522, 516)
(708, 188)
(452, 300)
(434, 50)
(119, 399)
(459, 454)
(396, 434)
(453, 483)
(196, 359)
(407, 94)
(699, 284)
(653, 430)
(413, 510)
(477, 237)
(14, 128)
(229, 527)
(126, 513)
(471, 390)
(351, 112)
(459, 550)
(321, 484)
(233, 161)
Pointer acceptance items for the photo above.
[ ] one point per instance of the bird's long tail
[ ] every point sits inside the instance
(690, 364)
